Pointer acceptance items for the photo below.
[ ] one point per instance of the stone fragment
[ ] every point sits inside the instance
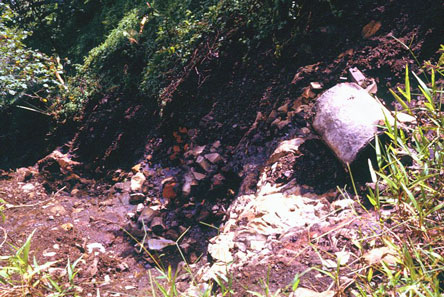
(303, 292)
(157, 225)
(136, 198)
(282, 124)
(283, 108)
(136, 168)
(137, 182)
(272, 116)
(122, 187)
(139, 208)
(27, 188)
(382, 254)
(203, 163)
(286, 147)
(95, 246)
(220, 248)
(147, 215)
(342, 204)
(49, 254)
(159, 244)
(316, 85)
(171, 234)
(370, 29)
(189, 181)
(169, 190)
(195, 151)
(58, 210)
(67, 226)
(218, 180)
(357, 76)
(198, 175)
(213, 158)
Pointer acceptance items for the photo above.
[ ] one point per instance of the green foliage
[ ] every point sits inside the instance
(70, 28)
(409, 177)
(26, 75)
(19, 276)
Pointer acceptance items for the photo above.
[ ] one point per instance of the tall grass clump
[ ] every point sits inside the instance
(408, 193)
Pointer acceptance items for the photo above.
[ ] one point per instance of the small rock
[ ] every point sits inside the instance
(122, 187)
(303, 292)
(198, 176)
(195, 151)
(49, 254)
(106, 280)
(216, 144)
(272, 116)
(58, 210)
(137, 182)
(283, 108)
(169, 190)
(203, 163)
(382, 254)
(27, 188)
(305, 131)
(57, 272)
(316, 85)
(129, 288)
(343, 204)
(282, 124)
(67, 226)
(213, 158)
(188, 183)
(136, 198)
(157, 225)
(286, 147)
(75, 192)
(147, 215)
(95, 245)
(139, 208)
(218, 180)
(136, 168)
(159, 244)
(357, 76)
(171, 234)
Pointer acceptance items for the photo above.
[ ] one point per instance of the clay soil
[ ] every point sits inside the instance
(240, 109)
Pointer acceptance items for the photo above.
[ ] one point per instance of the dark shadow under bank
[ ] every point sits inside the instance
(23, 137)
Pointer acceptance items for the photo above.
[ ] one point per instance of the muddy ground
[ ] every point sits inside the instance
(211, 146)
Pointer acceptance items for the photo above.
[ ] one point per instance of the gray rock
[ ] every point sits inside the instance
(157, 225)
(137, 182)
(213, 158)
(147, 215)
(347, 119)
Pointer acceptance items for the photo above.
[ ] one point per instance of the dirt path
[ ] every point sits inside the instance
(88, 225)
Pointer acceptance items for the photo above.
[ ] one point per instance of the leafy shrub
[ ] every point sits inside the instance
(26, 75)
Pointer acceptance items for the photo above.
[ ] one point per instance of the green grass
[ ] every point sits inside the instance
(22, 276)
